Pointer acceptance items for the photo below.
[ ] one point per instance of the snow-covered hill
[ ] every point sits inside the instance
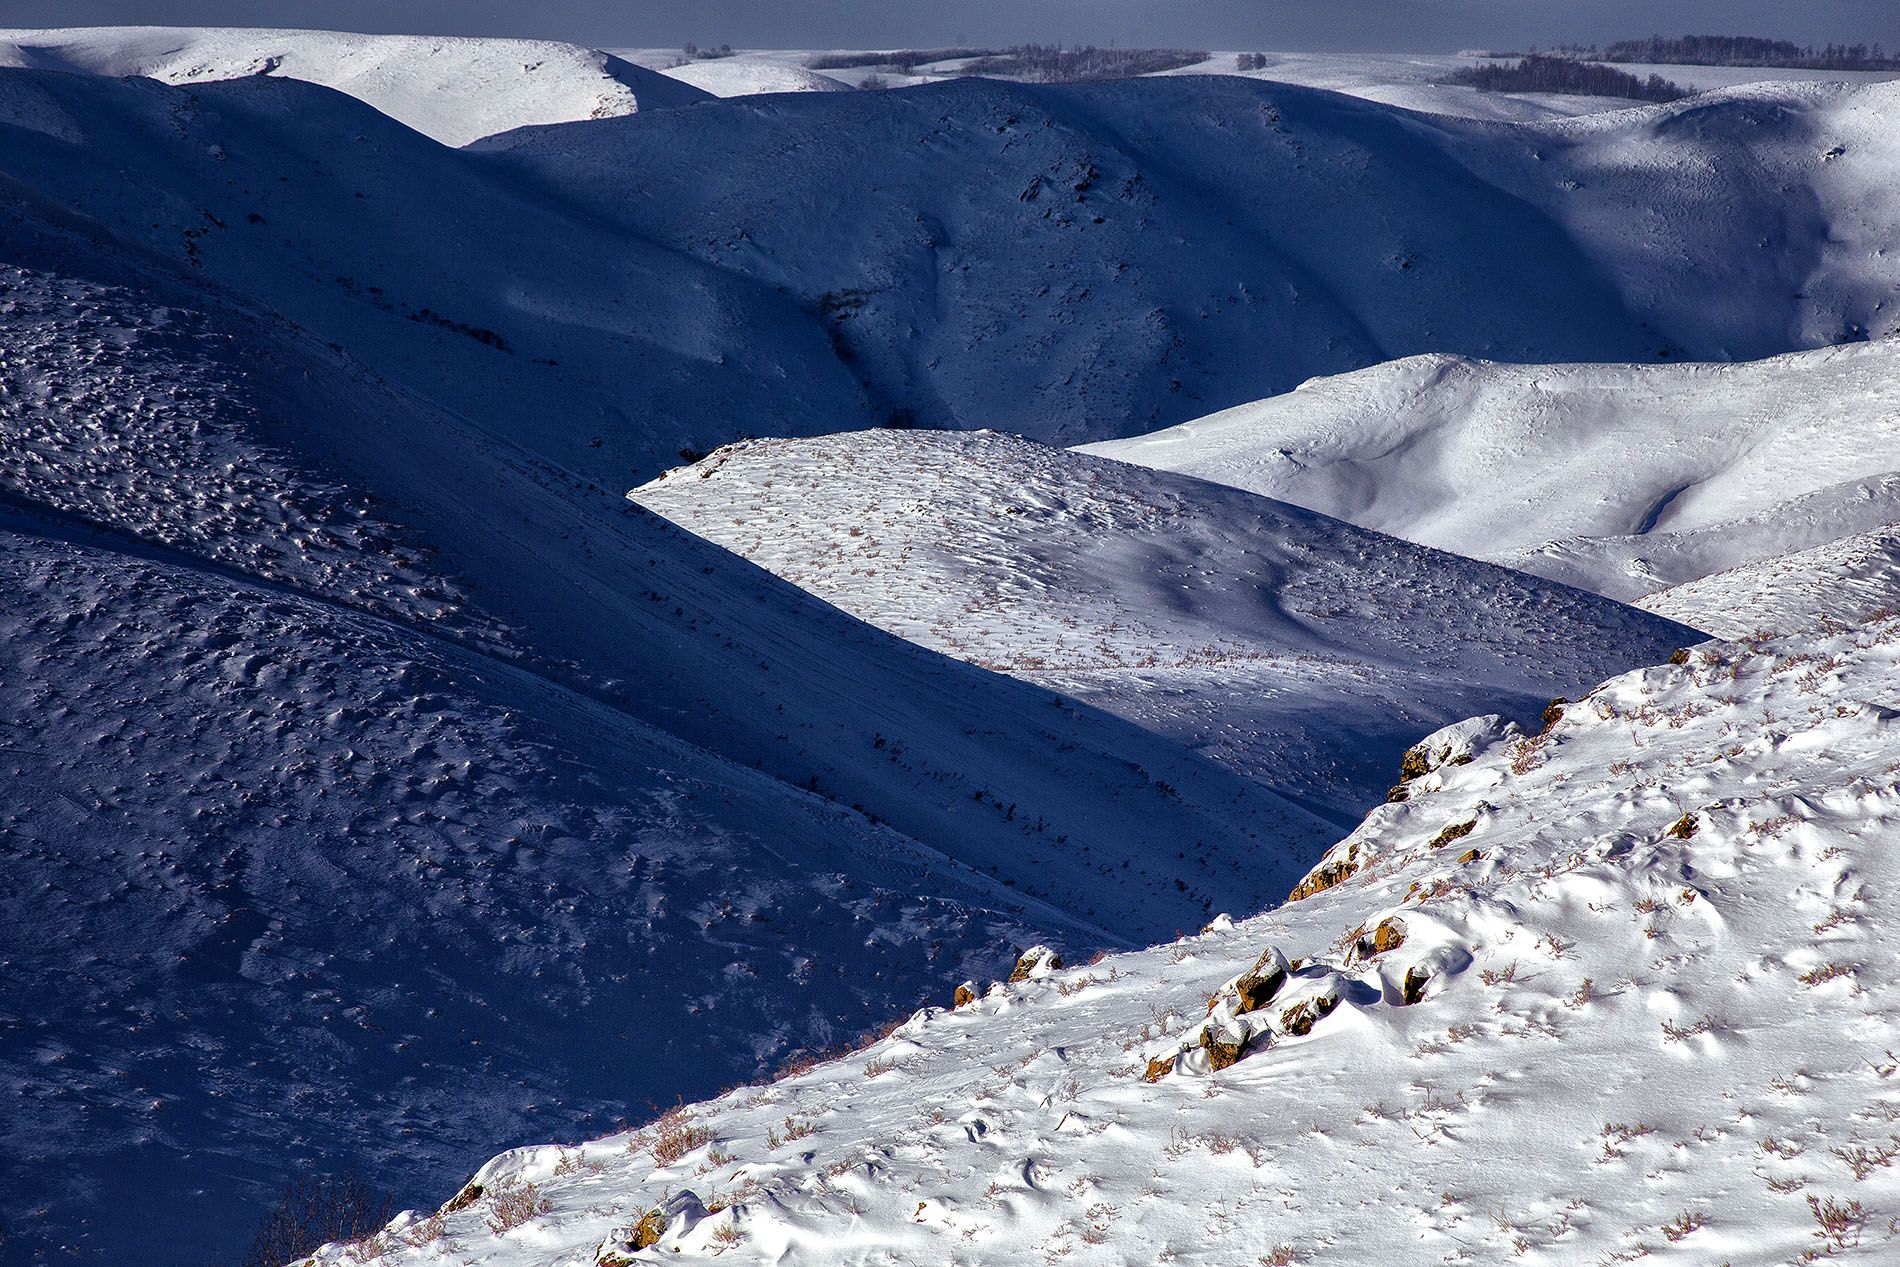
(453, 89)
(745, 74)
(377, 787)
(383, 789)
(1619, 479)
(1302, 652)
(1088, 262)
(1623, 990)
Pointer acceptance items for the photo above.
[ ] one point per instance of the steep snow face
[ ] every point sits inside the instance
(1619, 479)
(326, 707)
(1299, 650)
(453, 89)
(1612, 992)
(1073, 261)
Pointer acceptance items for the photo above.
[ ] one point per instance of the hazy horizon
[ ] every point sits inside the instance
(1435, 26)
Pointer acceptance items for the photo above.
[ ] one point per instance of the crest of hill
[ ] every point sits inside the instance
(452, 88)
(1303, 652)
(1620, 479)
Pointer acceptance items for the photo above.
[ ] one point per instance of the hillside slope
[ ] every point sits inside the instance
(327, 707)
(451, 88)
(1619, 479)
(1302, 652)
(1092, 261)
(1641, 1007)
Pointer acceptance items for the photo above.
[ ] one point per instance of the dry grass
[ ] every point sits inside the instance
(676, 1135)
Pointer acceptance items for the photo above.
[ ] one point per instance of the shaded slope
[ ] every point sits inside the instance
(1081, 262)
(330, 707)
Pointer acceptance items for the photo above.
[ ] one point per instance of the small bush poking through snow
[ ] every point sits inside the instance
(512, 1203)
(676, 1135)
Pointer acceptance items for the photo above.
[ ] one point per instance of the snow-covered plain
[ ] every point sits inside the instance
(1301, 652)
(382, 789)
(1624, 480)
(1621, 990)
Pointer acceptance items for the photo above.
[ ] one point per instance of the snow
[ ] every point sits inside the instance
(1620, 479)
(1301, 652)
(1653, 1017)
(385, 790)
(450, 798)
(744, 74)
(1090, 262)
(454, 89)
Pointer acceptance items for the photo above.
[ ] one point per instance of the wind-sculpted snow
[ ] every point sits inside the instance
(1618, 991)
(1302, 652)
(1620, 479)
(451, 88)
(1078, 263)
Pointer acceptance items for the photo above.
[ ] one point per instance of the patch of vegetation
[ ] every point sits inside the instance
(313, 1212)
(1539, 73)
(1054, 64)
(901, 60)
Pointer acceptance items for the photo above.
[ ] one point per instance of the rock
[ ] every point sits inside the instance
(1389, 935)
(624, 1242)
(1037, 961)
(1223, 1046)
(471, 1193)
(1553, 713)
(1470, 855)
(1684, 827)
(1158, 1068)
(1255, 988)
(1398, 793)
(965, 995)
(1416, 978)
(1222, 923)
(1457, 831)
(1299, 1019)
(1324, 877)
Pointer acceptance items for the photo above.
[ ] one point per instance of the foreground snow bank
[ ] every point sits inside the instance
(1597, 993)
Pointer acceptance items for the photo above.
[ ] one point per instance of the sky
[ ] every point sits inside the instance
(1282, 25)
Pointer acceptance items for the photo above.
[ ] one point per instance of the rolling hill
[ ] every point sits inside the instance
(1623, 480)
(1301, 652)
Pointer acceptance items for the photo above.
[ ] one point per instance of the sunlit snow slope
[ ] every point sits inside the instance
(1299, 650)
(454, 89)
(1619, 479)
(1621, 992)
